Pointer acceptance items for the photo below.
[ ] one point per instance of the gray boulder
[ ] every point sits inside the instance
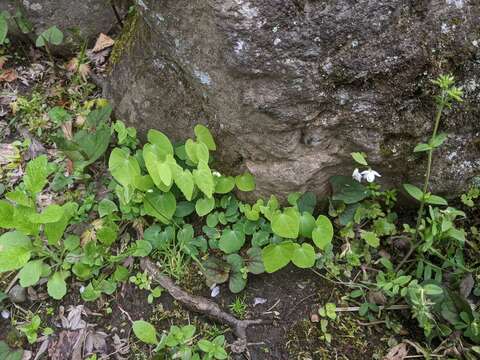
(291, 87)
(79, 20)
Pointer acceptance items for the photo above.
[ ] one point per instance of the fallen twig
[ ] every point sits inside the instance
(204, 306)
(357, 308)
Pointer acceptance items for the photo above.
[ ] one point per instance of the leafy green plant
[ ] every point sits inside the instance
(239, 307)
(144, 282)
(449, 94)
(9, 354)
(52, 36)
(180, 342)
(89, 143)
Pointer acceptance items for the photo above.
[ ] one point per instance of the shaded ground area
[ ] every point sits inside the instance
(292, 297)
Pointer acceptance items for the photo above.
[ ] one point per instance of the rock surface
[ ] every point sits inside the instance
(87, 18)
(291, 87)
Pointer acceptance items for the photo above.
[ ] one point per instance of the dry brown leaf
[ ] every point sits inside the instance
(67, 130)
(103, 42)
(8, 75)
(87, 236)
(69, 167)
(376, 297)
(398, 352)
(8, 153)
(3, 60)
(83, 70)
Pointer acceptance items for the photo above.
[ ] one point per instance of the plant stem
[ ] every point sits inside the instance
(426, 182)
(47, 48)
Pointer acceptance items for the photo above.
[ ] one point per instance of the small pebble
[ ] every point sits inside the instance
(215, 291)
(17, 294)
(259, 301)
(5, 314)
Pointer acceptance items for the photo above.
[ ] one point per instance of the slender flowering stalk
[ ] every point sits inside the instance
(448, 95)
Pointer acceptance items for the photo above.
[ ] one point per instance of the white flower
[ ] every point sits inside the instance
(370, 175)
(356, 175)
(216, 174)
(82, 289)
(215, 290)
(5, 314)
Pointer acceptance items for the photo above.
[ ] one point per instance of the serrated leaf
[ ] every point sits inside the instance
(56, 285)
(15, 251)
(6, 215)
(51, 214)
(59, 115)
(30, 273)
(36, 174)
(54, 230)
(370, 238)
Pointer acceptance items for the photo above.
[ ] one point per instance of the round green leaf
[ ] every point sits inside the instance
(30, 273)
(245, 182)
(307, 224)
(304, 256)
(277, 256)
(231, 241)
(286, 224)
(56, 285)
(204, 206)
(145, 332)
(123, 167)
(224, 184)
(322, 235)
